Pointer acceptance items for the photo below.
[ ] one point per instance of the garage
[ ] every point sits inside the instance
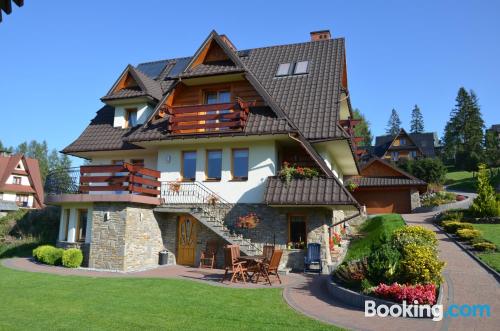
(383, 188)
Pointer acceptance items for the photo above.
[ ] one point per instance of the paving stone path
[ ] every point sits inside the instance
(466, 283)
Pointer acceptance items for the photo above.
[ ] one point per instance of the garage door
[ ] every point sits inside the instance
(385, 201)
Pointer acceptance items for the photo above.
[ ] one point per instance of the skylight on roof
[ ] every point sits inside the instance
(301, 67)
(283, 69)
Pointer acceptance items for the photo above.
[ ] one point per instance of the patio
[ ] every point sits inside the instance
(207, 276)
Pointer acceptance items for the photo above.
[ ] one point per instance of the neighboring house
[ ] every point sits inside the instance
(495, 128)
(185, 147)
(20, 181)
(384, 188)
(405, 145)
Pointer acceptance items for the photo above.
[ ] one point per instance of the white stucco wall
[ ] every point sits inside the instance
(24, 180)
(143, 113)
(330, 162)
(262, 161)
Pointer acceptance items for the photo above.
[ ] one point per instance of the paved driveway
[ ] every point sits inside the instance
(466, 283)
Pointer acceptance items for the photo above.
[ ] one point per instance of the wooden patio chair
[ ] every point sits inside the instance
(233, 265)
(207, 258)
(268, 252)
(271, 268)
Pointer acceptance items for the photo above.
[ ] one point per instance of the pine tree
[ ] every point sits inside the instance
(417, 120)
(394, 123)
(5, 148)
(492, 148)
(463, 137)
(362, 129)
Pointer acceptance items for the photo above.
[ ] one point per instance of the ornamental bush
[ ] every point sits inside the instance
(453, 227)
(48, 254)
(352, 272)
(383, 263)
(451, 216)
(72, 258)
(468, 234)
(420, 265)
(485, 204)
(413, 235)
(423, 294)
(484, 246)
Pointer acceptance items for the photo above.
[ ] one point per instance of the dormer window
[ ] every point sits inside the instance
(16, 180)
(131, 117)
(301, 67)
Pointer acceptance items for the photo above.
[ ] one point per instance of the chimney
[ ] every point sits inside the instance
(228, 42)
(320, 35)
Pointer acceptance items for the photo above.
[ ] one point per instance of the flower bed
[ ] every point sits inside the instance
(289, 172)
(401, 266)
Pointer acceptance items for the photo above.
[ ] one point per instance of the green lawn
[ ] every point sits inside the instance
(461, 181)
(370, 232)
(491, 232)
(43, 301)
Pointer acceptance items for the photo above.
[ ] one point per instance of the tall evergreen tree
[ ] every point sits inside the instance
(394, 123)
(463, 137)
(417, 120)
(492, 148)
(362, 129)
(5, 148)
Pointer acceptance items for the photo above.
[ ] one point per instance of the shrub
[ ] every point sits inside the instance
(413, 235)
(48, 254)
(352, 273)
(383, 263)
(468, 234)
(431, 170)
(453, 227)
(420, 265)
(452, 216)
(366, 286)
(72, 258)
(484, 246)
(485, 204)
(423, 294)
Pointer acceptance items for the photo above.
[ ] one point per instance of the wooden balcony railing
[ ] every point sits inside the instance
(209, 118)
(110, 179)
(349, 125)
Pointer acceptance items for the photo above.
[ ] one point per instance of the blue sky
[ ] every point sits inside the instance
(63, 56)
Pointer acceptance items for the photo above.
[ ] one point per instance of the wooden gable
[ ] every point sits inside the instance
(212, 53)
(377, 168)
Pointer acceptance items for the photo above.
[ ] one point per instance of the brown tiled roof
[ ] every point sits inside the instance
(260, 121)
(386, 181)
(314, 191)
(100, 135)
(310, 101)
(211, 69)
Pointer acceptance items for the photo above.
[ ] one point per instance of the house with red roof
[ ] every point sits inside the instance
(20, 183)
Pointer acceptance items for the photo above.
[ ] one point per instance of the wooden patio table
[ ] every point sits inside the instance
(254, 262)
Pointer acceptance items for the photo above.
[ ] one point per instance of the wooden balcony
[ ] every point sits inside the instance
(209, 118)
(97, 183)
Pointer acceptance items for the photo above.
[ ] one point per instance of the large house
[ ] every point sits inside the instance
(406, 146)
(20, 183)
(190, 150)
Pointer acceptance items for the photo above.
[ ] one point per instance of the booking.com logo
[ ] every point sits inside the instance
(437, 312)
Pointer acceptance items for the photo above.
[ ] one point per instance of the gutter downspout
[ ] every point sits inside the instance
(346, 219)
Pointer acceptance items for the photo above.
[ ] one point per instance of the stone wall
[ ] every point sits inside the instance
(143, 238)
(125, 237)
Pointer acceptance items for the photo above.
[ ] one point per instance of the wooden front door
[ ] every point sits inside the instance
(187, 233)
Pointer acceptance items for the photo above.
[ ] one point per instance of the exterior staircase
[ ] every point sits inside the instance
(207, 207)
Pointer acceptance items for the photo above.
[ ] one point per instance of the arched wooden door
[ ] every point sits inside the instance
(187, 233)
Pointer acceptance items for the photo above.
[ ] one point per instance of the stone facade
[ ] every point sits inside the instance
(415, 199)
(128, 237)
(125, 237)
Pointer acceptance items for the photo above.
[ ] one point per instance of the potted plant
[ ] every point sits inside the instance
(352, 186)
(174, 187)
